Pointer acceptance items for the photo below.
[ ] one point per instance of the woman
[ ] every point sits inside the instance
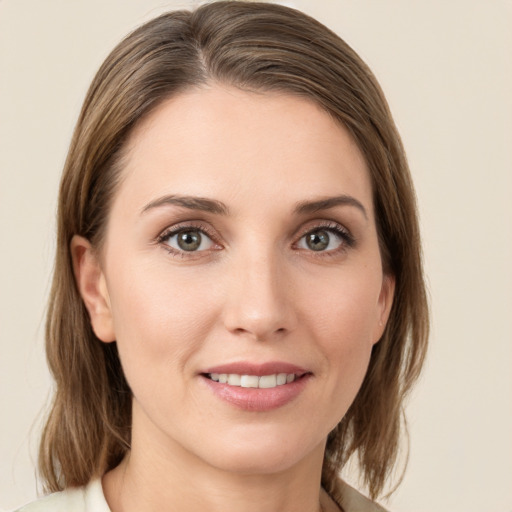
(238, 305)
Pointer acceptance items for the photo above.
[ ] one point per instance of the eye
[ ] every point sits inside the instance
(187, 240)
(320, 240)
(325, 239)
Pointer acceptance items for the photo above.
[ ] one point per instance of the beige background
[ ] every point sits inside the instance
(446, 67)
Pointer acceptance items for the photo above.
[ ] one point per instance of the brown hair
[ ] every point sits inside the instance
(253, 46)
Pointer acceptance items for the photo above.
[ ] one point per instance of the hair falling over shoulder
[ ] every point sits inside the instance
(254, 46)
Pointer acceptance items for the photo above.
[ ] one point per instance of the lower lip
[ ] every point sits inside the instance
(258, 399)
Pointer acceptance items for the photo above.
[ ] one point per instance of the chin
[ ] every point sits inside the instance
(262, 454)
(250, 463)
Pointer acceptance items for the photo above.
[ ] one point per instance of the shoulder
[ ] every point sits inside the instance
(351, 500)
(81, 499)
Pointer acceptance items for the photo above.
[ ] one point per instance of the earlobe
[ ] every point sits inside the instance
(386, 296)
(92, 286)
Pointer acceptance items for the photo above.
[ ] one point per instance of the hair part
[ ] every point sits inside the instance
(253, 46)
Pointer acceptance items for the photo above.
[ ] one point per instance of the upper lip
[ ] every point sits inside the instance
(258, 369)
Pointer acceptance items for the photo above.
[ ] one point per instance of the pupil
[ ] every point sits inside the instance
(318, 241)
(189, 240)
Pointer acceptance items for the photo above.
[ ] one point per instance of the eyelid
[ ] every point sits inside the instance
(187, 226)
(199, 225)
(329, 225)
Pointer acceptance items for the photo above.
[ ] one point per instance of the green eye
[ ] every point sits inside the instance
(188, 240)
(325, 239)
(318, 240)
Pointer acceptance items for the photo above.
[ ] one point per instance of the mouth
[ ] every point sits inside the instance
(254, 381)
(257, 387)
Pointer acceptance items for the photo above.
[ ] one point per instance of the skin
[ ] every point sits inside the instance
(256, 292)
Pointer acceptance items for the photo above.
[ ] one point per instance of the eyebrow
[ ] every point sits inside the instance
(308, 207)
(219, 208)
(190, 202)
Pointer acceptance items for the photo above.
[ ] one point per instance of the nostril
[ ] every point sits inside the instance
(260, 334)
(251, 315)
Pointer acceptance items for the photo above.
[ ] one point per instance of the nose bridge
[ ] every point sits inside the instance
(258, 302)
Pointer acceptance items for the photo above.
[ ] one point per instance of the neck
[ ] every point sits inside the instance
(165, 476)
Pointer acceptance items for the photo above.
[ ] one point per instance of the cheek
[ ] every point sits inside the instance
(160, 317)
(342, 318)
(345, 307)
(347, 352)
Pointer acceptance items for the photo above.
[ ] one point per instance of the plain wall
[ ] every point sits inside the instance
(446, 68)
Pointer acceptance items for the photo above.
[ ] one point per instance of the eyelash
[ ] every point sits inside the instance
(346, 237)
(176, 230)
(347, 240)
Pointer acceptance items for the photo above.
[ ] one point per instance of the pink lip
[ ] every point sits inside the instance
(259, 369)
(256, 399)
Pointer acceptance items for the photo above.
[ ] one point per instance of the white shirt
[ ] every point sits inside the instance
(81, 499)
(91, 499)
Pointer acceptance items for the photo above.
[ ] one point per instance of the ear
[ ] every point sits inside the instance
(92, 287)
(385, 302)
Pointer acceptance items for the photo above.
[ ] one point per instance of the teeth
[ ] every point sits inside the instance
(249, 381)
(234, 379)
(253, 381)
(268, 381)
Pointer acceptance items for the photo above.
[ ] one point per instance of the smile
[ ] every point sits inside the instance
(256, 387)
(253, 381)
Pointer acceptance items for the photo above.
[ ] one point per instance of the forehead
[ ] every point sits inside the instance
(227, 143)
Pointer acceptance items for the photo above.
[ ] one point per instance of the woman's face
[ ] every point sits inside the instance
(241, 246)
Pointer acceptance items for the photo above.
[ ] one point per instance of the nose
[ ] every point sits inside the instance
(260, 304)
